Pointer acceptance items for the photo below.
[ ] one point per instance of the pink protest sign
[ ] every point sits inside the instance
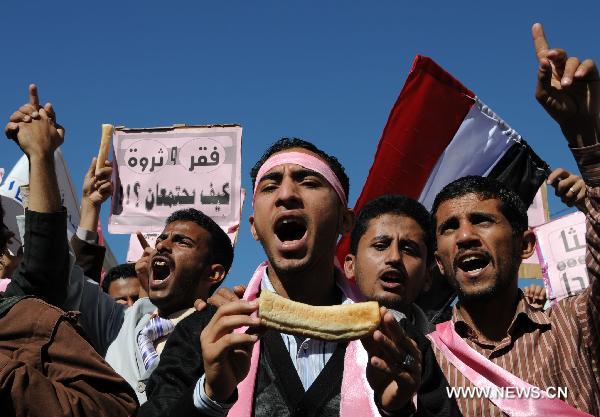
(135, 250)
(561, 249)
(159, 171)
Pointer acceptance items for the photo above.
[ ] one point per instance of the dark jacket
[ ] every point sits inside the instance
(44, 269)
(47, 367)
(171, 386)
(89, 257)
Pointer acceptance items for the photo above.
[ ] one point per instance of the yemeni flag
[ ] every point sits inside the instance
(438, 131)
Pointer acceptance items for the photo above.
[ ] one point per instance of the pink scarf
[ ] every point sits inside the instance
(485, 374)
(356, 396)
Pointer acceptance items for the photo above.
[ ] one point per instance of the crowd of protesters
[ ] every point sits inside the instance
(160, 337)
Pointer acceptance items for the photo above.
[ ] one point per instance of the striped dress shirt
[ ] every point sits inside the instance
(309, 358)
(556, 348)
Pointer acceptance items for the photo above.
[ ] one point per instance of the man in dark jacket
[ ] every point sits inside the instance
(47, 368)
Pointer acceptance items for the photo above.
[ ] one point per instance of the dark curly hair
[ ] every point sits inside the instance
(393, 204)
(117, 272)
(222, 250)
(511, 205)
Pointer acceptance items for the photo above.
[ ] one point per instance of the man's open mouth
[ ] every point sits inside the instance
(290, 229)
(472, 264)
(392, 279)
(161, 268)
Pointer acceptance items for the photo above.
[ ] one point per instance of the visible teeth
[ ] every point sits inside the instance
(286, 221)
(470, 258)
(160, 263)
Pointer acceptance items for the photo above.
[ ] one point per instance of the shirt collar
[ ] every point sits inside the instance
(266, 284)
(177, 316)
(523, 313)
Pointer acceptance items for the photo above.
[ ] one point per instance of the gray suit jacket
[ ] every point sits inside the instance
(123, 353)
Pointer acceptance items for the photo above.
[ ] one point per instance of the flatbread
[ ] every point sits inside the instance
(107, 131)
(333, 323)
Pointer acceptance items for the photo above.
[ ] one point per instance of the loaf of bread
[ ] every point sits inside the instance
(333, 323)
(105, 139)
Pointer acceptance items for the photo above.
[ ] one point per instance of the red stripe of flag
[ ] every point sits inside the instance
(411, 144)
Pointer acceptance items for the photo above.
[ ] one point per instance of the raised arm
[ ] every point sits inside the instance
(569, 90)
(44, 271)
(97, 187)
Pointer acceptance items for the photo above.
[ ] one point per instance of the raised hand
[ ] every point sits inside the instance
(142, 266)
(34, 128)
(535, 295)
(97, 187)
(569, 187)
(569, 90)
(97, 184)
(394, 367)
(226, 354)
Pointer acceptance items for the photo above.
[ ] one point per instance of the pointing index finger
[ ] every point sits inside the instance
(34, 100)
(142, 240)
(539, 39)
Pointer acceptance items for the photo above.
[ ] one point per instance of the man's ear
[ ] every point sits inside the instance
(252, 228)
(527, 244)
(347, 221)
(438, 262)
(349, 264)
(217, 274)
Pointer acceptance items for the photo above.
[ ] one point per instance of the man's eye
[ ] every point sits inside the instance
(448, 228)
(380, 246)
(311, 183)
(445, 231)
(483, 222)
(410, 250)
(268, 188)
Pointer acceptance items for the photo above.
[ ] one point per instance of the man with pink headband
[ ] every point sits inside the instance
(300, 210)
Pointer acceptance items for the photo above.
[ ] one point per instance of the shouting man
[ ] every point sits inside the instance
(495, 339)
(300, 209)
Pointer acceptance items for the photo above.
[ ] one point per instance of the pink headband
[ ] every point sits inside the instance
(307, 161)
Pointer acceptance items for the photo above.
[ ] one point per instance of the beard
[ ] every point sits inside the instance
(392, 303)
(504, 279)
(483, 294)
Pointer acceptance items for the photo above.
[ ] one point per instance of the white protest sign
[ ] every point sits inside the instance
(561, 247)
(159, 171)
(19, 177)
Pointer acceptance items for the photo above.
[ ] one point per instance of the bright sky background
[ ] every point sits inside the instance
(326, 71)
